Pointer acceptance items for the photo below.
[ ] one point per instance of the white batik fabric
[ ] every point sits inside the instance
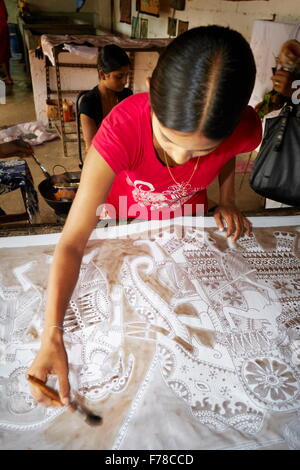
(177, 341)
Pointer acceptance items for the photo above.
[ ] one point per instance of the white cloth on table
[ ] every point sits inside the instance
(82, 51)
(179, 340)
(48, 42)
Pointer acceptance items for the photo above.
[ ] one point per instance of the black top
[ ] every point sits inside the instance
(91, 104)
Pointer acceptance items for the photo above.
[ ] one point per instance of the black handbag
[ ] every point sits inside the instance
(276, 170)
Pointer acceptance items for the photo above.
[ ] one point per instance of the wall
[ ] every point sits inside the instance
(46, 5)
(60, 5)
(101, 8)
(12, 10)
(238, 15)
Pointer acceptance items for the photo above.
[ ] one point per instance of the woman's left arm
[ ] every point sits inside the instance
(227, 211)
(15, 148)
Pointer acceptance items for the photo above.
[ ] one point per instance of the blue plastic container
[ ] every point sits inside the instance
(14, 40)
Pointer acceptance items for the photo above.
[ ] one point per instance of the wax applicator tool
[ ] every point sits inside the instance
(74, 407)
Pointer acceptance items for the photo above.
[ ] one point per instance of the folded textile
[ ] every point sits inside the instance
(48, 42)
(34, 133)
(15, 174)
(83, 51)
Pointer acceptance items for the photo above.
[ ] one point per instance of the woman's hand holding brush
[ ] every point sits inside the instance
(51, 359)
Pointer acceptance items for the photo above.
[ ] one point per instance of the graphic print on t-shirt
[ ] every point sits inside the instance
(173, 197)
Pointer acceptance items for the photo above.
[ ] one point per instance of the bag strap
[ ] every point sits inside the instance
(290, 108)
(297, 110)
(284, 114)
(287, 109)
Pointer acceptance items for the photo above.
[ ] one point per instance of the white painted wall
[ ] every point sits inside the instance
(237, 15)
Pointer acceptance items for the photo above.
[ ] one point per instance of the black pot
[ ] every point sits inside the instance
(46, 190)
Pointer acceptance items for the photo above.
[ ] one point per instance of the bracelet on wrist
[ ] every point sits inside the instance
(55, 326)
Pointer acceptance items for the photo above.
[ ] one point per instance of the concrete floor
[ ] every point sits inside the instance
(19, 108)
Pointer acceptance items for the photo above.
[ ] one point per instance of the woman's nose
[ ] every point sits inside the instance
(180, 156)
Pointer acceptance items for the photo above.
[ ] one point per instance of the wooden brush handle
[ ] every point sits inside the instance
(48, 391)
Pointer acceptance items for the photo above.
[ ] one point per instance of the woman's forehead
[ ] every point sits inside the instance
(189, 140)
(123, 69)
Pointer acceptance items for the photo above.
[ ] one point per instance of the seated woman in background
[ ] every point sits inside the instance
(288, 68)
(113, 69)
(285, 73)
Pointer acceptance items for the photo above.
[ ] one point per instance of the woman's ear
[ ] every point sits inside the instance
(102, 75)
(148, 80)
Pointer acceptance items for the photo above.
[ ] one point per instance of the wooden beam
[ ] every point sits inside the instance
(112, 15)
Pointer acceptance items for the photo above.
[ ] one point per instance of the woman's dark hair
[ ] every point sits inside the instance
(112, 58)
(203, 81)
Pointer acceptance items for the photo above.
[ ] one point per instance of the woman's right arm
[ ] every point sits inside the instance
(96, 180)
(89, 129)
(15, 148)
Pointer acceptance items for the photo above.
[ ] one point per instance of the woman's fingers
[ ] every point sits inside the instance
(282, 82)
(64, 387)
(231, 222)
(233, 227)
(219, 221)
(51, 359)
(242, 227)
(46, 401)
(40, 375)
(237, 224)
(239, 228)
(248, 226)
(230, 226)
(37, 392)
(41, 398)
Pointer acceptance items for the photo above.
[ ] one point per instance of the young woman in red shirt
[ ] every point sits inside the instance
(160, 150)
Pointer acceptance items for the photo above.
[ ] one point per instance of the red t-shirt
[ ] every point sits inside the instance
(125, 141)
